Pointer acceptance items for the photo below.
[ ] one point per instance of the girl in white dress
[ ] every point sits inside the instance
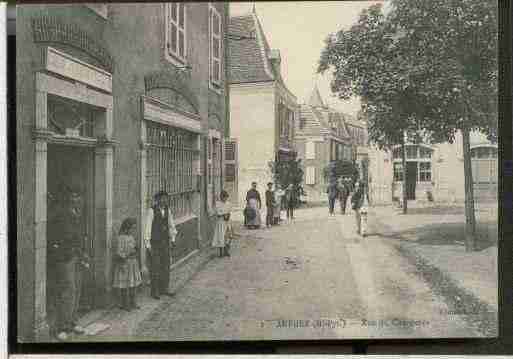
(222, 225)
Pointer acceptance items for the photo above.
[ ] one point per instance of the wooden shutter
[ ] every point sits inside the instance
(310, 150)
(310, 175)
(231, 169)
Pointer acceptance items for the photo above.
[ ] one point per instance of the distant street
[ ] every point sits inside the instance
(310, 279)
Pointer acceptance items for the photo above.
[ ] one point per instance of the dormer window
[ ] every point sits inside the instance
(176, 34)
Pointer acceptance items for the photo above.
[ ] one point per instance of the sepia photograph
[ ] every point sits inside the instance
(228, 171)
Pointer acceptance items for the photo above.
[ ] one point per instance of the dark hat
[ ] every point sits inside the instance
(161, 194)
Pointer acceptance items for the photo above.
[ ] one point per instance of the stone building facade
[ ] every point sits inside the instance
(262, 109)
(435, 172)
(321, 136)
(119, 101)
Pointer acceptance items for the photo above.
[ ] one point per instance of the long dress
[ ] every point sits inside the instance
(257, 221)
(127, 273)
(222, 208)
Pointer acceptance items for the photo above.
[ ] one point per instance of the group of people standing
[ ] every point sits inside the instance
(69, 259)
(342, 189)
(276, 199)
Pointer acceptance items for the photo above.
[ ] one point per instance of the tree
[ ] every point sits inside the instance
(342, 168)
(456, 57)
(368, 61)
(288, 171)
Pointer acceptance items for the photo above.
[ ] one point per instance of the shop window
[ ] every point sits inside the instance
(68, 117)
(216, 47)
(424, 171)
(176, 33)
(170, 157)
(398, 172)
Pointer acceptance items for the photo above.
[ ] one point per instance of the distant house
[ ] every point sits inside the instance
(262, 108)
(322, 136)
(434, 172)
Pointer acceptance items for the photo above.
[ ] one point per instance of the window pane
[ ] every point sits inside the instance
(425, 166)
(181, 17)
(216, 71)
(173, 39)
(425, 152)
(215, 47)
(493, 152)
(181, 47)
(215, 22)
(411, 152)
(173, 11)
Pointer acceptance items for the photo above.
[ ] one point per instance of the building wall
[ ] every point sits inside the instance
(136, 44)
(317, 191)
(447, 176)
(252, 122)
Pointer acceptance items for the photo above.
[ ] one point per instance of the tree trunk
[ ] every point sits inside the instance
(405, 182)
(470, 215)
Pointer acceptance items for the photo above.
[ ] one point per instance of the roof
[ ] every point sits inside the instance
(317, 122)
(248, 57)
(251, 59)
(315, 99)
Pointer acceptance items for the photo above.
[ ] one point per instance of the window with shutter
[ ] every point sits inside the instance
(216, 47)
(231, 169)
(176, 34)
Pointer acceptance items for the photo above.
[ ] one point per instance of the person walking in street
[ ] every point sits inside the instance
(127, 271)
(159, 237)
(278, 198)
(290, 201)
(69, 261)
(269, 203)
(357, 201)
(253, 205)
(343, 191)
(221, 240)
(332, 192)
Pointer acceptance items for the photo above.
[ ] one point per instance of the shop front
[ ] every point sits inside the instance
(170, 161)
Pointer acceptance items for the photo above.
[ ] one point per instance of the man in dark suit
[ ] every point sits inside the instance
(159, 236)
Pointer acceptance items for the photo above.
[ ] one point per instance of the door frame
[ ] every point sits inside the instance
(103, 179)
(411, 186)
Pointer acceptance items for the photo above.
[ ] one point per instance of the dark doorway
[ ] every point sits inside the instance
(411, 180)
(70, 167)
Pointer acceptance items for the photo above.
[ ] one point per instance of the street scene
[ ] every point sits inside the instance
(219, 171)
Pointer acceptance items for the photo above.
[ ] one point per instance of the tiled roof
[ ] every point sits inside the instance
(249, 60)
(317, 121)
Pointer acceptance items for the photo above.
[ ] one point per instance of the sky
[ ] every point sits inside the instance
(298, 30)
